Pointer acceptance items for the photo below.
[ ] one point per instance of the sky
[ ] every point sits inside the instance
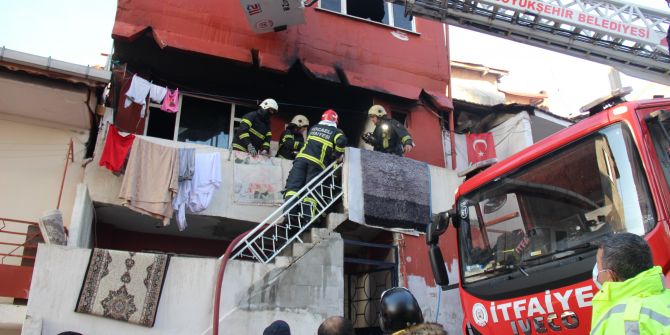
(78, 31)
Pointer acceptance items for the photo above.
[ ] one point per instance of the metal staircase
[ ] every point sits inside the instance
(294, 217)
(624, 35)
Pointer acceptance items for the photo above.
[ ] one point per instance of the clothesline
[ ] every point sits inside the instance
(249, 102)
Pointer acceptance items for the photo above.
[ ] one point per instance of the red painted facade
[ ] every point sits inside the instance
(367, 53)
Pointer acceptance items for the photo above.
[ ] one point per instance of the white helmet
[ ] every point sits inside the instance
(300, 121)
(269, 103)
(377, 110)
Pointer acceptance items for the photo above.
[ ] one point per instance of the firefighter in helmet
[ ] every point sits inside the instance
(254, 135)
(292, 140)
(389, 135)
(400, 314)
(325, 143)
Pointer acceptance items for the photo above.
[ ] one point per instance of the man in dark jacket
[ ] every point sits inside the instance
(292, 140)
(389, 135)
(400, 314)
(254, 135)
(325, 144)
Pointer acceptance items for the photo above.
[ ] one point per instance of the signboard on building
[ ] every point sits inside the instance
(273, 15)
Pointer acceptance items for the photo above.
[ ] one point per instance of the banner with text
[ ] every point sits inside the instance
(548, 9)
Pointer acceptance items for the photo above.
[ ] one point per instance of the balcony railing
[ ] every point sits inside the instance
(18, 247)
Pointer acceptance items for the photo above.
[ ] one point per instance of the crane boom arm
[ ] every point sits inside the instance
(626, 36)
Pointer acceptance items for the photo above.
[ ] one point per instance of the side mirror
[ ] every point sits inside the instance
(439, 224)
(437, 264)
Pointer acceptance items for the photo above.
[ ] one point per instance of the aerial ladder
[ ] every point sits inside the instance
(626, 36)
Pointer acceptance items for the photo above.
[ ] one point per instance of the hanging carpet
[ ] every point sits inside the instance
(123, 285)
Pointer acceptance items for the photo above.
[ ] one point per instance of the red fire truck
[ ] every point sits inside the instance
(526, 226)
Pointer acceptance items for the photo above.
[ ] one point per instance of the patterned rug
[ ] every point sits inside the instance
(123, 285)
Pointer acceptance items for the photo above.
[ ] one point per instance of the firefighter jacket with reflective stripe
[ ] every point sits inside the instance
(290, 143)
(255, 129)
(639, 305)
(390, 136)
(324, 144)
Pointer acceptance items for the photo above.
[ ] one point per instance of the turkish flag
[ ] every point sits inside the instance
(480, 147)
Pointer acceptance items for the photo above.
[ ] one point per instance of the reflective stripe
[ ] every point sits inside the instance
(631, 327)
(286, 137)
(406, 138)
(336, 137)
(656, 316)
(244, 135)
(296, 145)
(266, 144)
(289, 194)
(268, 134)
(621, 308)
(255, 132)
(247, 122)
(320, 140)
(338, 149)
(312, 159)
(616, 309)
(239, 147)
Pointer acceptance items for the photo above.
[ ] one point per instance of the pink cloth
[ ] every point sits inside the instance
(171, 101)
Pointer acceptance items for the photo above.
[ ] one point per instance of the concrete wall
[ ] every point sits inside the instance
(81, 226)
(104, 186)
(32, 160)
(304, 293)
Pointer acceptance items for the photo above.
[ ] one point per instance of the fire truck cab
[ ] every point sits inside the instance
(526, 226)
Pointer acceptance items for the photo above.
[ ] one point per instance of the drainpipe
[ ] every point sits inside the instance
(452, 137)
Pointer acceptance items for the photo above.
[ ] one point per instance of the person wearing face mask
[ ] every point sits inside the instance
(631, 298)
(254, 135)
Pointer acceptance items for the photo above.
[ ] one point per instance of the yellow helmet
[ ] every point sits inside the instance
(377, 110)
(300, 121)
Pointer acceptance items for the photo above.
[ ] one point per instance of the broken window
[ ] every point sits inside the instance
(198, 120)
(373, 10)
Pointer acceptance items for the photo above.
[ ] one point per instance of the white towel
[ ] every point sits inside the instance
(137, 93)
(206, 180)
(157, 93)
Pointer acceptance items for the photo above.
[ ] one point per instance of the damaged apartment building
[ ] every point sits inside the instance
(212, 69)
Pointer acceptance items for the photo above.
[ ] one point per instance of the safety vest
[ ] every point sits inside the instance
(639, 305)
(324, 144)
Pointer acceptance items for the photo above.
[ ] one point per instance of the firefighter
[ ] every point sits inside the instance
(389, 135)
(325, 143)
(292, 140)
(254, 135)
(400, 314)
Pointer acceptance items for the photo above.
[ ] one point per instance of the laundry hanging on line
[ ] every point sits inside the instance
(116, 149)
(140, 88)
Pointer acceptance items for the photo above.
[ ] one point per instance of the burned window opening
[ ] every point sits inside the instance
(368, 9)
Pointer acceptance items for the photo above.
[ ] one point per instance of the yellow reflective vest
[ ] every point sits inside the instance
(639, 305)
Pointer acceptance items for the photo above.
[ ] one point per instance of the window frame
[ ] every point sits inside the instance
(389, 12)
(175, 135)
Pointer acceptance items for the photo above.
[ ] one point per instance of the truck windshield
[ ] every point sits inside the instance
(659, 128)
(555, 207)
